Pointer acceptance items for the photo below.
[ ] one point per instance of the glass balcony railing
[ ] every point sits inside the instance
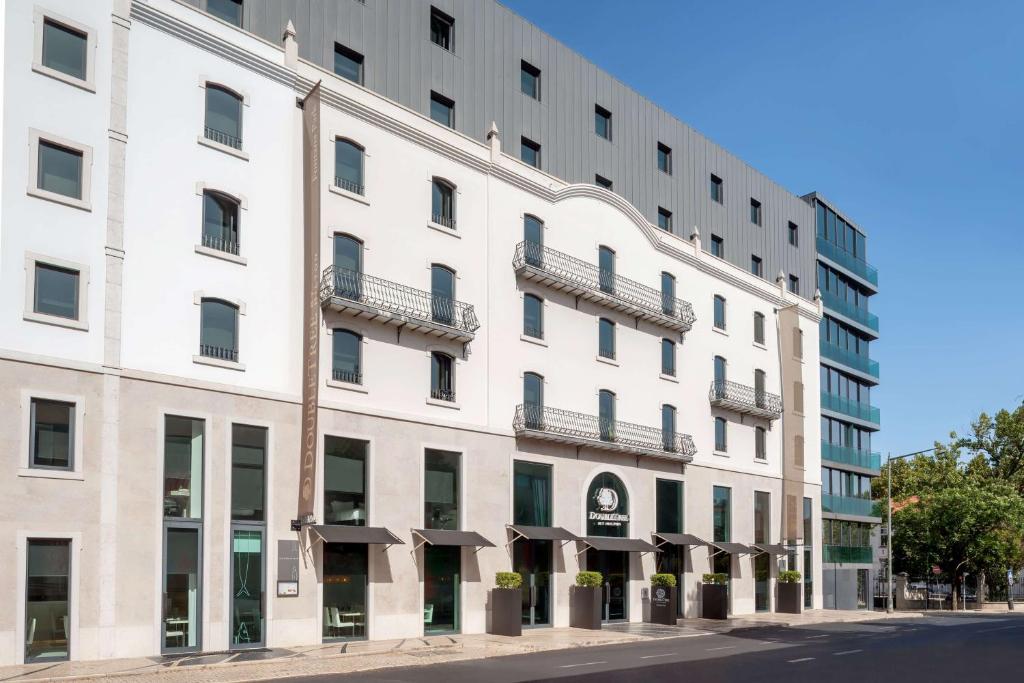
(858, 267)
(845, 308)
(836, 554)
(847, 505)
(845, 455)
(849, 359)
(861, 411)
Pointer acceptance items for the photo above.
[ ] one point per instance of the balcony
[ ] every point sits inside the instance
(847, 505)
(855, 409)
(222, 138)
(848, 310)
(845, 259)
(847, 554)
(844, 455)
(565, 426)
(371, 298)
(849, 359)
(569, 274)
(739, 398)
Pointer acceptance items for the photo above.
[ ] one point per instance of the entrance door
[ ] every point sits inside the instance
(441, 588)
(532, 559)
(345, 574)
(672, 560)
(247, 587)
(182, 616)
(614, 567)
(862, 589)
(762, 569)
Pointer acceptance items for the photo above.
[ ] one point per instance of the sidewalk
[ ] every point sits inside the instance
(364, 656)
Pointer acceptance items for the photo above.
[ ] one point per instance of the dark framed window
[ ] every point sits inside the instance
(606, 414)
(717, 246)
(760, 443)
(220, 222)
(183, 467)
(223, 116)
(721, 503)
(533, 316)
(59, 169)
(716, 188)
(720, 370)
(668, 505)
(442, 376)
(441, 489)
(606, 268)
(756, 265)
(606, 338)
(607, 480)
(668, 357)
(529, 152)
(218, 330)
(442, 29)
(533, 400)
(664, 158)
(248, 473)
(442, 294)
(531, 493)
(794, 234)
(668, 293)
(794, 284)
(602, 122)
(668, 427)
(719, 312)
(442, 203)
(227, 10)
(347, 356)
(755, 212)
(47, 599)
(601, 181)
(65, 49)
(349, 165)
(56, 291)
(762, 517)
(664, 219)
(442, 109)
(52, 434)
(721, 434)
(348, 267)
(533, 229)
(759, 327)
(348, 63)
(529, 79)
(345, 481)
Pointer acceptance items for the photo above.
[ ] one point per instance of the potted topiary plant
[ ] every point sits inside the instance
(714, 596)
(506, 613)
(790, 590)
(663, 599)
(585, 601)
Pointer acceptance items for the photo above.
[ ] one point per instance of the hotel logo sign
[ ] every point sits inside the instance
(604, 506)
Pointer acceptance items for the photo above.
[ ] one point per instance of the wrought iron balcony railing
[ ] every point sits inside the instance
(222, 138)
(859, 267)
(848, 505)
(831, 302)
(443, 395)
(861, 411)
(220, 244)
(354, 293)
(849, 359)
(566, 426)
(836, 554)
(845, 455)
(446, 221)
(348, 376)
(218, 352)
(348, 185)
(567, 273)
(741, 398)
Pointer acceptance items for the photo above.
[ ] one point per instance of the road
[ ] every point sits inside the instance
(930, 649)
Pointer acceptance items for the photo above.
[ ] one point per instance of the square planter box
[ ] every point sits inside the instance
(791, 598)
(506, 612)
(585, 607)
(714, 601)
(663, 605)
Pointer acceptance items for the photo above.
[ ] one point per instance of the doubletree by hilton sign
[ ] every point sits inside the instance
(604, 506)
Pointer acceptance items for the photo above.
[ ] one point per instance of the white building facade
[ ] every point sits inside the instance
(515, 372)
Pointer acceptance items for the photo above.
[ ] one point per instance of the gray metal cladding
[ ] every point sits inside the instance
(482, 75)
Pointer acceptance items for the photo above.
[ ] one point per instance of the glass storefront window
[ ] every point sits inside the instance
(344, 481)
(441, 588)
(182, 599)
(183, 467)
(669, 506)
(47, 600)
(247, 587)
(345, 578)
(762, 516)
(722, 512)
(248, 460)
(441, 490)
(531, 494)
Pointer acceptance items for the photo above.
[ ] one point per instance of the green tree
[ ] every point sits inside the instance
(1000, 442)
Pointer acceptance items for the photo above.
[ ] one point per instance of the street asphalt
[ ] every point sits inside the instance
(932, 649)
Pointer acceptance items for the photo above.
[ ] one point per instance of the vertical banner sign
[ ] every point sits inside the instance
(310, 298)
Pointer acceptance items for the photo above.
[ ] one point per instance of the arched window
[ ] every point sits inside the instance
(668, 427)
(719, 373)
(606, 414)
(606, 268)
(347, 366)
(759, 383)
(348, 165)
(668, 357)
(720, 312)
(218, 330)
(759, 327)
(533, 237)
(533, 316)
(607, 497)
(533, 400)
(442, 291)
(443, 203)
(220, 222)
(606, 338)
(442, 376)
(348, 267)
(223, 116)
(668, 293)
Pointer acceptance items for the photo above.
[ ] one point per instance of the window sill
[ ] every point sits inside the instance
(222, 255)
(61, 76)
(450, 405)
(720, 454)
(451, 232)
(59, 199)
(533, 340)
(205, 142)
(669, 378)
(347, 386)
(720, 331)
(760, 346)
(608, 361)
(56, 320)
(218, 363)
(341, 192)
(38, 473)
(760, 461)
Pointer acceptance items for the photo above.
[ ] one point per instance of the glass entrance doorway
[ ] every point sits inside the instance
(247, 587)
(181, 587)
(762, 569)
(532, 559)
(614, 568)
(672, 560)
(345, 573)
(442, 565)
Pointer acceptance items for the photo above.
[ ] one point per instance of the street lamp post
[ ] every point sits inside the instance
(888, 476)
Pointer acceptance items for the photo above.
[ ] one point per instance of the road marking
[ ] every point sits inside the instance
(570, 666)
(667, 654)
(846, 652)
(797, 661)
(1001, 628)
(724, 647)
(823, 635)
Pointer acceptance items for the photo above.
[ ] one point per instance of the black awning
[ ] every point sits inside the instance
(770, 548)
(679, 539)
(543, 533)
(341, 533)
(449, 537)
(629, 545)
(733, 548)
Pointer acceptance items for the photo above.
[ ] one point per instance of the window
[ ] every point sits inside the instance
(760, 443)
(668, 428)
(442, 377)
(533, 316)
(345, 481)
(722, 513)
(52, 434)
(721, 444)
(602, 122)
(531, 493)
(529, 79)
(55, 291)
(348, 267)
(794, 284)
(606, 414)
(755, 211)
(347, 355)
(606, 338)
(348, 63)
(220, 222)
(65, 50)
(717, 246)
(59, 170)
(529, 152)
(442, 29)
(798, 397)
(798, 343)
(183, 467)
(798, 450)
(606, 269)
(794, 234)
(668, 357)
(716, 189)
(533, 236)
(441, 490)
(668, 293)
(762, 516)
(759, 327)
(720, 368)
(756, 266)
(248, 463)
(719, 312)
(442, 110)
(442, 299)
(228, 10)
(223, 116)
(442, 203)
(669, 506)
(664, 219)
(759, 389)
(664, 158)
(349, 160)
(533, 400)
(218, 330)
(601, 181)
(47, 599)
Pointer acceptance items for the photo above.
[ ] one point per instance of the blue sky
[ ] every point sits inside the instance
(908, 115)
